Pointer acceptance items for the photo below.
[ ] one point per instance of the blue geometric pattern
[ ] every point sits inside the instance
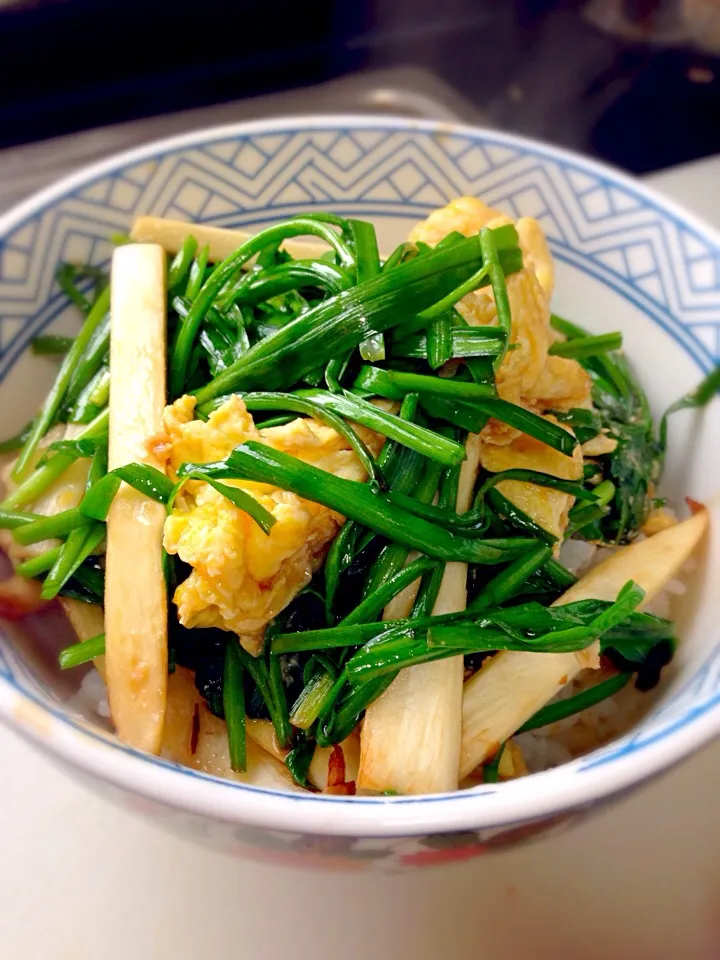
(591, 218)
(604, 224)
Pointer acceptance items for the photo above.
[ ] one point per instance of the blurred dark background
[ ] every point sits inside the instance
(635, 82)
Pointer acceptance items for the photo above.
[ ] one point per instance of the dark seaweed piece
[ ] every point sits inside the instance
(209, 675)
(648, 664)
(203, 652)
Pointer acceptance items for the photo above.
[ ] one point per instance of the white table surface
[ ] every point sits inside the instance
(81, 880)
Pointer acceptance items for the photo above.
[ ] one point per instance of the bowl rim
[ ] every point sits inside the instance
(545, 794)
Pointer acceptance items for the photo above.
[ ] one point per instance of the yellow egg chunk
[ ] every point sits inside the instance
(467, 215)
(562, 385)
(549, 508)
(528, 376)
(536, 253)
(241, 577)
(529, 335)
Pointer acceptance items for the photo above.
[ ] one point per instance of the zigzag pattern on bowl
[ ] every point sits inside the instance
(615, 232)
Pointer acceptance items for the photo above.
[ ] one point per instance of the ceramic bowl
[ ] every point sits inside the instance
(625, 259)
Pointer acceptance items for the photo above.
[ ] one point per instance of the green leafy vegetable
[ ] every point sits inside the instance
(581, 701)
(234, 707)
(79, 653)
(581, 347)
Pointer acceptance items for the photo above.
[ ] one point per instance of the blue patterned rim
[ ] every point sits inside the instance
(660, 259)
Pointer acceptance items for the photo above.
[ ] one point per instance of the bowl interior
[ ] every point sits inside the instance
(625, 260)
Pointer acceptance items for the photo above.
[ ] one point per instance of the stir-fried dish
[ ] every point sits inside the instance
(318, 513)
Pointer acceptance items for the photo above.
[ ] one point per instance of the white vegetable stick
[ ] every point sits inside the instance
(410, 739)
(86, 619)
(181, 715)
(262, 732)
(135, 596)
(171, 234)
(512, 686)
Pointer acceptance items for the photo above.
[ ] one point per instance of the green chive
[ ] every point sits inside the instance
(299, 759)
(424, 441)
(91, 362)
(468, 286)
(242, 500)
(339, 558)
(234, 706)
(499, 288)
(179, 268)
(255, 461)
(439, 341)
(43, 477)
(79, 653)
(45, 528)
(464, 342)
(511, 580)
(258, 670)
(699, 397)
(80, 544)
(491, 770)
(460, 415)
(40, 564)
(372, 605)
(582, 347)
(196, 274)
(554, 712)
(340, 323)
(12, 519)
(277, 689)
(71, 364)
(211, 287)
(349, 709)
(368, 266)
(142, 477)
(307, 706)
(51, 345)
(372, 378)
(322, 412)
(394, 555)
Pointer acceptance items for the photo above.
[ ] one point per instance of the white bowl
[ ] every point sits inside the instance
(625, 259)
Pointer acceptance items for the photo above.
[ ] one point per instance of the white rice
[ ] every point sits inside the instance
(91, 698)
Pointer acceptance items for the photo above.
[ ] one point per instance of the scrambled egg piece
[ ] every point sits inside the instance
(528, 375)
(548, 508)
(468, 215)
(241, 577)
(530, 312)
(562, 385)
(659, 519)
